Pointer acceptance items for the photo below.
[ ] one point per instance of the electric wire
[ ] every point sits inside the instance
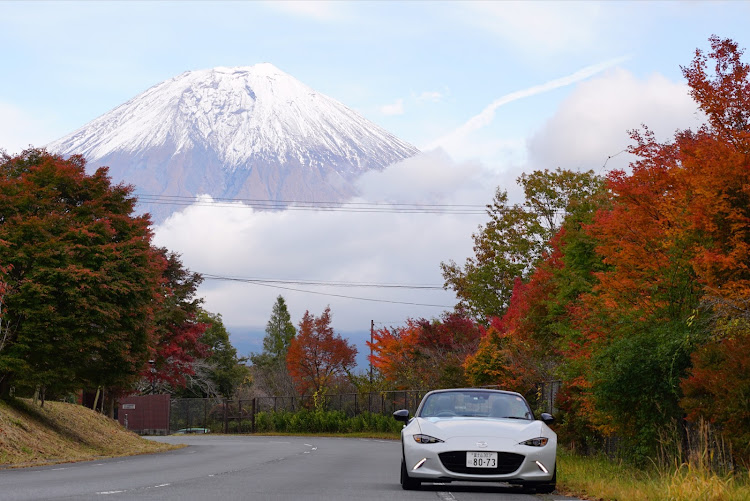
(211, 276)
(350, 207)
(299, 205)
(281, 284)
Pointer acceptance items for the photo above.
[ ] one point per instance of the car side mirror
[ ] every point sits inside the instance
(547, 418)
(402, 415)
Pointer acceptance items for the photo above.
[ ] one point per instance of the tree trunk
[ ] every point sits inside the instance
(96, 398)
(5, 386)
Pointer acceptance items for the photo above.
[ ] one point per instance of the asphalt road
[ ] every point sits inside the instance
(246, 468)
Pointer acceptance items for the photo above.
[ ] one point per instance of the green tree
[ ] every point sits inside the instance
(269, 367)
(221, 372)
(279, 331)
(81, 277)
(516, 238)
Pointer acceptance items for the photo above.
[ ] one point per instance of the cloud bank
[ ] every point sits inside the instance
(341, 246)
(592, 124)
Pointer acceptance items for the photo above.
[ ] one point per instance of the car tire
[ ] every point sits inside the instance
(408, 483)
(549, 487)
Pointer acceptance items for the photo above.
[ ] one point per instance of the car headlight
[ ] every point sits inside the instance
(426, 439)
(536, 442)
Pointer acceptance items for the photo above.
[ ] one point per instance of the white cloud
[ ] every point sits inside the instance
(396, 248)
(459, 141)
(592, 124)
(396, 108)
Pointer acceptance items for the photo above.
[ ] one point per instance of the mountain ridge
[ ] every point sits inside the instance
(235, 132)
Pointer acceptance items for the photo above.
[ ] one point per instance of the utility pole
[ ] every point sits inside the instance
(372, 329)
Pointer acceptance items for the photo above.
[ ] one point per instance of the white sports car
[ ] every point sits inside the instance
(477, 435)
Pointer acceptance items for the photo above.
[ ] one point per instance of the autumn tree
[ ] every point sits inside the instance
(317, 355)
(269, 367)
(177, 331)
(675, 246)
(426, 354)
(515, 238)
(715, 165)
(81, 279)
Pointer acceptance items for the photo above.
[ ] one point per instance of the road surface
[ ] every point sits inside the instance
(246, 468)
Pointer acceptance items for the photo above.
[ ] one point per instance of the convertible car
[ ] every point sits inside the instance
(477, 435)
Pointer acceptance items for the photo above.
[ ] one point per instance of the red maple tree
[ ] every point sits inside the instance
(317, 355)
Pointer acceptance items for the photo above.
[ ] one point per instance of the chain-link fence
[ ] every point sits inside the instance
(203, 415)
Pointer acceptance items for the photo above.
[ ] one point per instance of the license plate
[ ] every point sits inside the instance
(481, 459)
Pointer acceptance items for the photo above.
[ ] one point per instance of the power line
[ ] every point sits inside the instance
(211, 276)
(299, 205)
(350, 207)
(274, 283)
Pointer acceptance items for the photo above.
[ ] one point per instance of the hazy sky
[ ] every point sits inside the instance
(486, 89)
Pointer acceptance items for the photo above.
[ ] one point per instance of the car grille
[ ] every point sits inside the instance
(507, 462)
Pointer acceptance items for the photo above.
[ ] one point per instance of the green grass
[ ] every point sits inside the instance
(603, 479)
(305, 421)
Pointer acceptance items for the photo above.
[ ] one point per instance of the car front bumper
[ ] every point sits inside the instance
(423, 460)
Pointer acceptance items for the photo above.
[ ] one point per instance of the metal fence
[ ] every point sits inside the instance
(198, 415)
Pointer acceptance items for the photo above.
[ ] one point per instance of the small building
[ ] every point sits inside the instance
(145, 415)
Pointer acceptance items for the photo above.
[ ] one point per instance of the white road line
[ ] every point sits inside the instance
(308, 445)
(104, 493)
(446, 496)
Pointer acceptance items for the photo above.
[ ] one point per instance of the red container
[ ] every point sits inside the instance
(145, 415)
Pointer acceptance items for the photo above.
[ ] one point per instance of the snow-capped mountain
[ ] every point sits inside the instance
(250, 132)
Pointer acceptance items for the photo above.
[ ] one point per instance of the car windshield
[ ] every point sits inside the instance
(468, 403)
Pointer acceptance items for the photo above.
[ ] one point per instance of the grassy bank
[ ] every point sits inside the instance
(604, 479)
(59, 432)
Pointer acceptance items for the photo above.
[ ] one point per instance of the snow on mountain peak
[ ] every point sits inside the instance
(269, 134)
(238, 112)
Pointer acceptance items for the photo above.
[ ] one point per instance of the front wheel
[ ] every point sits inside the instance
(408, 483)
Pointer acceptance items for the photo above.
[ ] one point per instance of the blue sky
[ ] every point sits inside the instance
(487, 89)
(420, 69)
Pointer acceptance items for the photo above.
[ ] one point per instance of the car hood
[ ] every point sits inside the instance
(447, 428)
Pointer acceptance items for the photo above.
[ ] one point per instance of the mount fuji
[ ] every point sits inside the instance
(249, 132)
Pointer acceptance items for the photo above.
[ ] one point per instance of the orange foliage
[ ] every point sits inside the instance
(424, 354)
(316, 355)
